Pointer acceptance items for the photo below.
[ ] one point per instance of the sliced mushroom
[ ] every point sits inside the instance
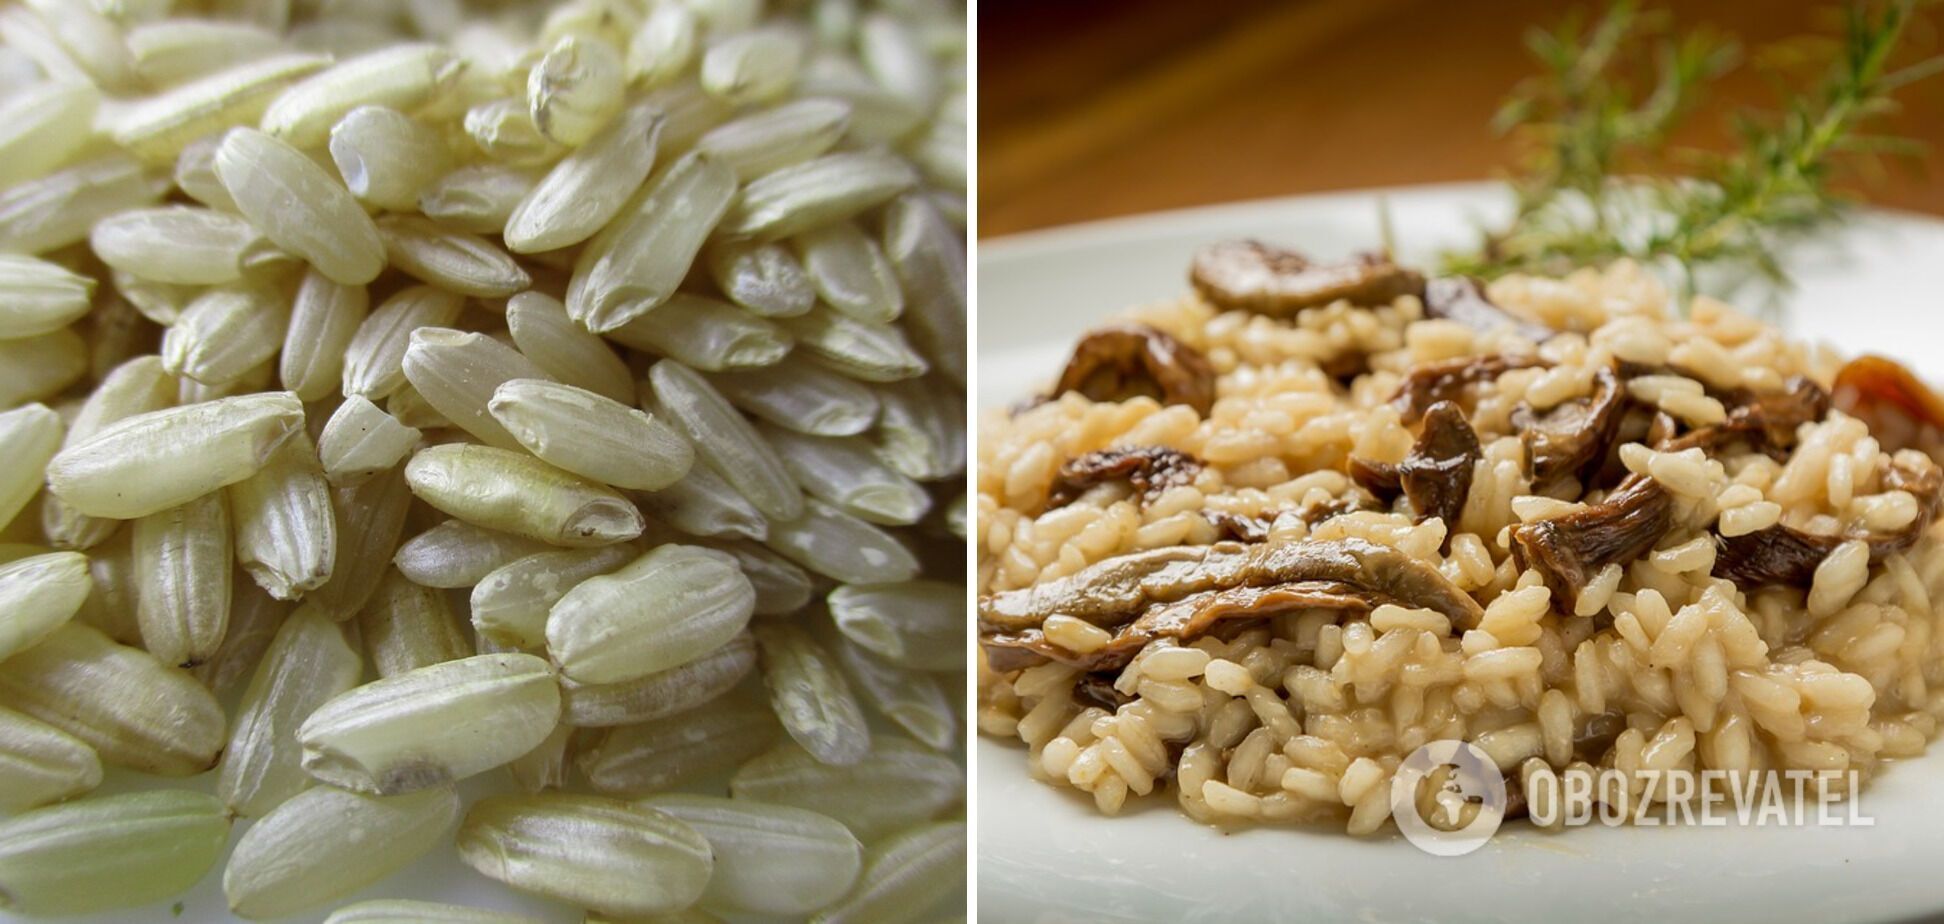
(1783, 555)
(1597, 734)
(1256, 528)
(1123, 361)
(1185, 619)
(1663, 431)
(1462, 299)
(1182, 591)
(1436, 476)
(1901, 411)
(1254, 276)
(1239, 527)
(1429, 383)
(1765, 420)
(1516, 806)
(1579, 438)
(1344, 368)
(1570, 549)
(1771, 420)
(1095, 689)
(1571, 439)
(1149, 470)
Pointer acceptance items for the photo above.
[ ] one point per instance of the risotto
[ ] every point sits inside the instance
(1260, 543)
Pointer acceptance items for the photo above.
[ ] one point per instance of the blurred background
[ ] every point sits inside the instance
(1095, 108)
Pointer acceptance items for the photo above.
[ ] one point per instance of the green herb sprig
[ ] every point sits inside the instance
(1599, 183)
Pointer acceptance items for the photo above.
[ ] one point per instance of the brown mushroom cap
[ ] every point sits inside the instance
(1253, 276)
(1436, 476)
(1256, 528)
(1572, 438)
(1462, 299)
(1150, 470)
(1901, 411)
(1123, 361)
(1426, 384)
(1570, 549)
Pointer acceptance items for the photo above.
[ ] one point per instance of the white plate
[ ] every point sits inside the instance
(1046, 856)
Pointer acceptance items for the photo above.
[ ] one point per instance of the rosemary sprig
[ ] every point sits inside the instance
(1599, 184)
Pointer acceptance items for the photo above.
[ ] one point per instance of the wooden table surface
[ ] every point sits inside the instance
(1095, 108)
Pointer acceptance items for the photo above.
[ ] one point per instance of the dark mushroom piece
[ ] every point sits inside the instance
(1783, 555)
(1901, 411)
(1098, 689)
(1256, 528)
(1183, 591)
(1123, 361)
(1346, 367)
(1516, 806)
(1555, 449)
(1149, 470)
(1462, 299)
(1767, 421)
(1597, 734)
(1771, 420)
(1571, 439)
(1429, 383)
(1241, 528)
(1662, 432)
(1436, 476)
(1570, 549)
(1258, 277)
(1185, 620)
(1638, 424)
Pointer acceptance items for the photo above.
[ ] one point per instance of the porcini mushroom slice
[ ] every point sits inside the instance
(1437, 475)
(1185, 619)
(1570, 549)
(1149, 470)
(1181, 591)
(1787, 556)
(1902, 412)
(1122, 361)
(1426, 384)
(1572, 438)
(1767, 420)
(1462, 299)
(1250, 275)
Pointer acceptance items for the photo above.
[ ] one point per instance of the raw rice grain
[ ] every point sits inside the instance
(592, 436)
(119, 851)
(431, 726)
(325, 843)
(589, 851)
(516, 493)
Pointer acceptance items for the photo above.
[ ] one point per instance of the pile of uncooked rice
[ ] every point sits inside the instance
(1261, 543)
